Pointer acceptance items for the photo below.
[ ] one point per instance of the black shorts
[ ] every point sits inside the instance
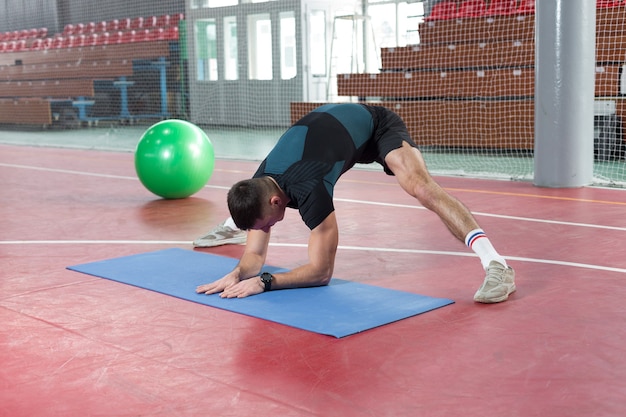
(390, 132)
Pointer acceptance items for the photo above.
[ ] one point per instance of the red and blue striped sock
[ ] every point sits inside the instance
(478, 241)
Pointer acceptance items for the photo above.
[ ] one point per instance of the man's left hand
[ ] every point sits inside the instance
(244, 288)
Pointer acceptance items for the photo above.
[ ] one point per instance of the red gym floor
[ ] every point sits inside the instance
(75, 345)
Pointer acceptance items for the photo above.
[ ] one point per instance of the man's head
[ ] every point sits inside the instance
(257, 203)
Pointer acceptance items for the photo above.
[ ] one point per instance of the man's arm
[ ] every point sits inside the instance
(323, 243)
(322, 250)
(249, 265)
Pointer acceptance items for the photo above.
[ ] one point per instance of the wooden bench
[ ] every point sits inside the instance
(489, 83)
(138, 50)
(33, 111)
(609, 50)
(48, 88)
(610, 21)
(478, 29)
(463, 55)
(67, 70)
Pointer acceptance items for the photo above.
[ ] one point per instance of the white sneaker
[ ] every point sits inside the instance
(221, 235)
(499, 284)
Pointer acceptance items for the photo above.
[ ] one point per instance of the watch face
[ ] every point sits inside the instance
(266, 278)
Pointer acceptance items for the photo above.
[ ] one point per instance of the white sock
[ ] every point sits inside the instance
(231, 223)
(478, 241)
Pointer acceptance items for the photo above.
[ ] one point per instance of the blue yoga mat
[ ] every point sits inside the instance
(340, 309)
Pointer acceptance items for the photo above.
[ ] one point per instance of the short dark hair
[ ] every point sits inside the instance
(245, 201)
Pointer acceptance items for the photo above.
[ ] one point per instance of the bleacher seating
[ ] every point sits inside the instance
(39, 71)
(473, 77)
(478, 29)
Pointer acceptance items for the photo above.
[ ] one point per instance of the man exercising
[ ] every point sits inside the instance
(301, 172)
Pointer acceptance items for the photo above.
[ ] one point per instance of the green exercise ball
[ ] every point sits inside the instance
(174, 159)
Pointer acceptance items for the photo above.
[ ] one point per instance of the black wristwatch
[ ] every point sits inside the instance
(266, 279)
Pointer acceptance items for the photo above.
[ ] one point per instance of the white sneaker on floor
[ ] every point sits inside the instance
(498, 285)
(221, 235)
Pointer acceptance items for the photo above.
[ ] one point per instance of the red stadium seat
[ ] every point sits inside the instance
(57, 42)
(605, 4)
(37, 45)
(124, 23)
(68, 42)
(150, 22)
(90, 28)
(128, 36)
(442, 11)
(526, 7)
(177, 18)
(163, 20)
(157, 34)
(142, 35)
(79, 28)
(42, 33)
(171, 33)
(116, 37)
(47, 43)
(92, 39)
(20, 45)
(104, 38)
(101, 27)
(68, 29)
(81, 40)
(136, 23)
(113, 25)
(502, 7)
(472, 8)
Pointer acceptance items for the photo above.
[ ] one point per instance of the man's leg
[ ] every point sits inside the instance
(410, 170)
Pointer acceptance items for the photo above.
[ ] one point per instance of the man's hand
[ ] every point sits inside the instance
(231, 287)
(228, 280)
(244, 288)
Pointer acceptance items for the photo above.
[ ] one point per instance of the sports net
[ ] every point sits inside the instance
(460, 73)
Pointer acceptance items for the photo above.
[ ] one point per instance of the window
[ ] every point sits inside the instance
(395, 23)
(206, 53)
(231, 61)
(317, 31)
(221, 3)
(260, 47)
(288, 68)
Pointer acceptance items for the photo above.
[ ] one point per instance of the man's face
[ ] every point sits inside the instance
(270, 219)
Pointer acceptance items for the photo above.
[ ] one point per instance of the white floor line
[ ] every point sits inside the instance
(303, 246)
(345, 200)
